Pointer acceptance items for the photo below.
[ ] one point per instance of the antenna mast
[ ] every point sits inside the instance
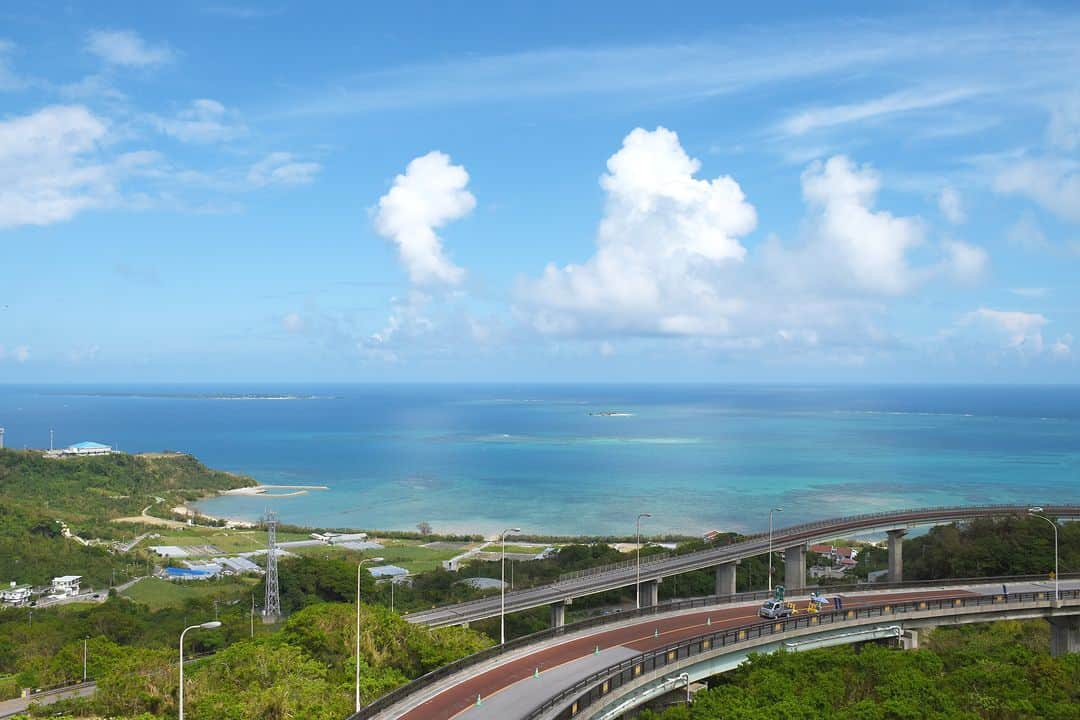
(272, 608)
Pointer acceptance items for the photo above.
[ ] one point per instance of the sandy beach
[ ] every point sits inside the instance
(273, 490)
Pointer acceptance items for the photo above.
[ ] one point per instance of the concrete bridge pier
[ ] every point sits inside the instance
(558, 612)
(795, 568)
(725, 578)
(650, 592)
(896, 555)
(1064, 634)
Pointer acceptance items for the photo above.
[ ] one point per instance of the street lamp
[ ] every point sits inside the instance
(1034, 512)
(502, 587)
(358, 566)
(203, 626)
(637, 551)
(771, 511)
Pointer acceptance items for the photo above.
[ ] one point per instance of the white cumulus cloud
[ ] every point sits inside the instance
(663, 236)
(1053, 183)
(951, 206)
(1013, 330)
(431, 193)
(204, 121)
(48, 166)
(967, 263)
(282, 168)
(127, 48)
(864, 249)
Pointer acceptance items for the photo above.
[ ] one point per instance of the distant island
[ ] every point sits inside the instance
(611, 413)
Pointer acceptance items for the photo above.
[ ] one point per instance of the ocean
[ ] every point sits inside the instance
(584, 459)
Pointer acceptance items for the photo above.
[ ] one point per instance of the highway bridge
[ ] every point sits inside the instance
(599, 669)
(792, 541)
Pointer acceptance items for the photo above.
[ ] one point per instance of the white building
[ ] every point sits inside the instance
(87, 448)
(15, 594)
(66, 585)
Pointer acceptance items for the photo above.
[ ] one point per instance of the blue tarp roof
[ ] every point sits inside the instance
(186, 572)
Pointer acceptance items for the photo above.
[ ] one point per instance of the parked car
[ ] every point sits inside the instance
(774, 610)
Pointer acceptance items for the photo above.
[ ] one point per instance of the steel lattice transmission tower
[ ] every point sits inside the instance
(272, 608)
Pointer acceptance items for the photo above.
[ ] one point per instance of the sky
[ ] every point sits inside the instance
(539, 191)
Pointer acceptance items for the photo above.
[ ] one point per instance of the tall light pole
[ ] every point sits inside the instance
(359, 565)
(202, 626)
(771, 511)
(1034, 512)
(502, 586)
(637, 554)
(84, 660)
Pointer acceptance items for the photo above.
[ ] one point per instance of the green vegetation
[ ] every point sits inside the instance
(1004, 546)
(999, 672)
(39, 495)
(156, 593)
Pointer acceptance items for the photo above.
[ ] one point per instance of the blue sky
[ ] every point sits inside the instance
(539, 191)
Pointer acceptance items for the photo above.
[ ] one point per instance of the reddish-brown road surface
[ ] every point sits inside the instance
(646, 634)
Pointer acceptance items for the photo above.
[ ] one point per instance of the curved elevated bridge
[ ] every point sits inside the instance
(792, 541)
(599, 669)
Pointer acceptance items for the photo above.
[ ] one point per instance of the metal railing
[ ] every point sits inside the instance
(600, 684)
(623, 565)
(795, 533)
(469, 661)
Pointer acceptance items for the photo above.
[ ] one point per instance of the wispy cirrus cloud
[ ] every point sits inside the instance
(897, 103)
(955, 60)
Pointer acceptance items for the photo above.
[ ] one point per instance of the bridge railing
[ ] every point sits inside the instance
(795, 531)
(599, 685)
(645, 562)
(424, 681)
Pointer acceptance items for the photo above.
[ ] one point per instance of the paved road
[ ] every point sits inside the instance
(9, 708)
(783, 537)
(509, 687)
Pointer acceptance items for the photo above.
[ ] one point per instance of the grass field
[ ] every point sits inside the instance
(409, 555)
(519, 549)
(159, 593)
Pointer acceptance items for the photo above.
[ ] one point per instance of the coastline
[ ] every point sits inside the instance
(268, 490)
(257, 490)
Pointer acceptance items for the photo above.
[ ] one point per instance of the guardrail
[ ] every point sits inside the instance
(429, 679)
(600, 684)
(645, 561)
(794, 533)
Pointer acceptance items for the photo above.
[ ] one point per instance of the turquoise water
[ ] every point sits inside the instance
(545, 458)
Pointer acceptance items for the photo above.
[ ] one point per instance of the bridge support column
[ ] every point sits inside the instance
(910, 640)
(558, 613)
(896, 555)
(795, 568)
(650, 592)
(725, 579)
(1064, 634)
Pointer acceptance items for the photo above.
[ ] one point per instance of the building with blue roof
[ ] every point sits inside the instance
(88, 448)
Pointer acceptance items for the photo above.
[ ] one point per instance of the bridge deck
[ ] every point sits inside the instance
(784, 537)
(509, 689)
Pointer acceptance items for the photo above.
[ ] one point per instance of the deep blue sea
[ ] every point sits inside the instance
(546, 458)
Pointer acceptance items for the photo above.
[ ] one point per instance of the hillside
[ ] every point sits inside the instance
(37, 494)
